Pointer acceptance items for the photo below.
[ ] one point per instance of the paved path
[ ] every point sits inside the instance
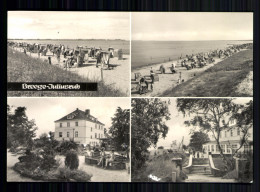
(207, 178)
(102, 175)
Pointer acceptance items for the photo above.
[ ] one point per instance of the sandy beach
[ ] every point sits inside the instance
(167, 80)
(117, 78)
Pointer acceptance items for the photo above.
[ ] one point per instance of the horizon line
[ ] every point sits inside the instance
(195, 40)
(64, 39)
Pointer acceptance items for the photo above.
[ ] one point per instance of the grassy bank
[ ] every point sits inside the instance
(23, 68)
(219, 80)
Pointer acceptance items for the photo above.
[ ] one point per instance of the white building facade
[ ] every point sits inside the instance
(229, 141)
(80, 127)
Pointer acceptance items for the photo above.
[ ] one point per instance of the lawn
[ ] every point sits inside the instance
(220, 80)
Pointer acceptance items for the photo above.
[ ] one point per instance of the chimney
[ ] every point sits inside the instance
(77, 109)
(87, 112)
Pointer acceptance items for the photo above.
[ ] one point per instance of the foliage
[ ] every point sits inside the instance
(20, 130)
(160, 166)
(148, 125)
(197, 139)
(72, 160)
(212, 115)
(66, 174)
(120, 128)
(66, 146)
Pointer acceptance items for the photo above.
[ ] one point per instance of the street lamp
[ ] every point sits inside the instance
(73, 134)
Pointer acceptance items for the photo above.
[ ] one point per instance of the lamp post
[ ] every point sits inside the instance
(73, 134)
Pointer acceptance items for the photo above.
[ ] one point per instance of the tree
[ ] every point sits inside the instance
(244, 120)
(147, 126)
(198, 139)
(212, 115)
(20, 130)
(120, 128)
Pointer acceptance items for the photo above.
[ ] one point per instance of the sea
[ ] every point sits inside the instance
(145, 53)
(72, 43)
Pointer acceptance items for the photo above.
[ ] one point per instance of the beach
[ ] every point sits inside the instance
(167, 80)
(116, 78)
(220, 81)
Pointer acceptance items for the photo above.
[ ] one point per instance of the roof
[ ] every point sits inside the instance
(81, 115)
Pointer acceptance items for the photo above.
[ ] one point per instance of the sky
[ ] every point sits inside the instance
(177, 129)
(47, 110)
(192, 26)
(68, 25)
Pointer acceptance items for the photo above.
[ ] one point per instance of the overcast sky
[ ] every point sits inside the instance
(177, 129)
(47, 110)
(68, 25)
(181, 26)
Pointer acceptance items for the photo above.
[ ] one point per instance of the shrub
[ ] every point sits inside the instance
(66, 174)
(72, 160)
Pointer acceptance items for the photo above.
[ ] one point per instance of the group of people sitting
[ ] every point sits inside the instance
(104, 159)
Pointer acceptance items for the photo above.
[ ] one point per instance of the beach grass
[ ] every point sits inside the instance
(220, 80)
(23, 68)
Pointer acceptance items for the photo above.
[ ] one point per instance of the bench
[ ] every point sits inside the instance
(114, 165)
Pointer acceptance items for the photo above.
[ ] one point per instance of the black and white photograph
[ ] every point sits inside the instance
(69, 47)
(68, 139)
(191, 54)
(202, 140)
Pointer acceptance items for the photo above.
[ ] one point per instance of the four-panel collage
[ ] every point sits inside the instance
(130, 97)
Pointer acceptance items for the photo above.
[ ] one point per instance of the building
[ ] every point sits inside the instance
(79, 126)
(229, 141)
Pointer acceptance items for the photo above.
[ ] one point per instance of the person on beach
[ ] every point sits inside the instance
(49, 58)
(111, 159)
(151, 71)
(172, 68)
(24, 51)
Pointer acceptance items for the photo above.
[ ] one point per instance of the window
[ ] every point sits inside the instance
(238, 131)
(68, 124)
(225, 134)
(246, 148)
(228, 151)
(223, 148)
(95, 126)
(60, 124)
(68, 134)
(231, 132)
(220, 135)
(76, 134)
(234, 146)
(60, 134)
(217, 149)
(91, 129)
(76, 123)
(95, 135)
(212, 148)
(90, 136)
(99, 135)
